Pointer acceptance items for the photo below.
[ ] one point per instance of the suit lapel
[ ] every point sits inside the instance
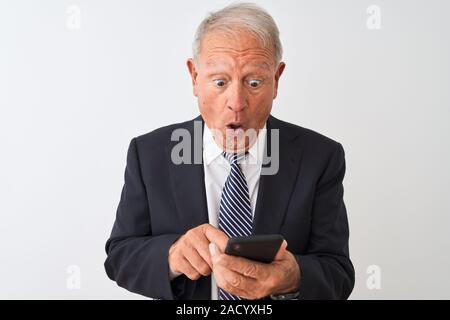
(188, 183)
(275, 191)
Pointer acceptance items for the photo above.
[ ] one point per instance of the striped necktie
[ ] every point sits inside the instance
(235, 212)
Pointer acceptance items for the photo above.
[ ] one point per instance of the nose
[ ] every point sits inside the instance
(237, 100)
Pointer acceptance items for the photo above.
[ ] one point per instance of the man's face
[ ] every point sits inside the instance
(235, 81)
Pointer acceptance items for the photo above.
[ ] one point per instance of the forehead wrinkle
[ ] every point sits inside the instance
(247, 67)
(238, 45)
(217, 67)
(237, 55)
(262, 65)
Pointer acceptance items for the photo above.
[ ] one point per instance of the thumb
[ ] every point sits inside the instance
(282, 251)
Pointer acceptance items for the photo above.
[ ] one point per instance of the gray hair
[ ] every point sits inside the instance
(241, 15)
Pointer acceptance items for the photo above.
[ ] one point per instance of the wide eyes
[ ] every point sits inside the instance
(253, 83)
(219, 82)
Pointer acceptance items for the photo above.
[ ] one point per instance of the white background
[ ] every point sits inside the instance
(72, 99)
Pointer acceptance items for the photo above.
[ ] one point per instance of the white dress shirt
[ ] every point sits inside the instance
(217, 169)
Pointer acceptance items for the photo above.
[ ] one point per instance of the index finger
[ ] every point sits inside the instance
(216, 236)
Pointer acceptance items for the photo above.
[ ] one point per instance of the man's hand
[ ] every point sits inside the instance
(254, 280)
(189, 255)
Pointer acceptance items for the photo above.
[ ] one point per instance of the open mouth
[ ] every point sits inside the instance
(234, 126)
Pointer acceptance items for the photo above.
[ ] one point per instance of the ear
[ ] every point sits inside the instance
(278, 74)
(192, 71)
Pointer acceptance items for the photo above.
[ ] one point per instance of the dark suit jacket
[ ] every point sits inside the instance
(160, 201)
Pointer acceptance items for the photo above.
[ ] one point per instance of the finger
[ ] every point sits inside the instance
(217, 236)
(236, 284)
(213, 250)
(201, 244)
(188, 270)
(196, 261)
(243, 266)
(281, 251)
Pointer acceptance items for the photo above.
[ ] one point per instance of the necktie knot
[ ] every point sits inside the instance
(234, 158)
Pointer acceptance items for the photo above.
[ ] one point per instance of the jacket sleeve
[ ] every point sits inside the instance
(326, 269)
(136, 259)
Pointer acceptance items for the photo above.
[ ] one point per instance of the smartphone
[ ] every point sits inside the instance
(262, 248)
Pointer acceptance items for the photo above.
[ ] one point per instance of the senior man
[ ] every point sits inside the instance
(175, 216)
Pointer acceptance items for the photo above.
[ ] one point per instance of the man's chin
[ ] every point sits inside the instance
(237, 141)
